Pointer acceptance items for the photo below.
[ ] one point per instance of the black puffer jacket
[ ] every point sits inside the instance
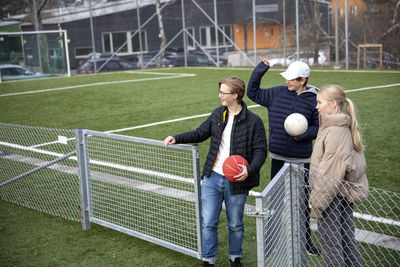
(248, 140)
(281, 102)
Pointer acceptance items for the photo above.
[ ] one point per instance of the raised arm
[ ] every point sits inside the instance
(254, 92)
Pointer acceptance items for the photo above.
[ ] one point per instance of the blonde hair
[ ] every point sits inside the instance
(336, 93)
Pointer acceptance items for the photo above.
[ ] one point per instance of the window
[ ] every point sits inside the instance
(207, 36)
(107, 42)
(119, 42)
(82, 52)
(135, 47)
(123, 43)
(353, 10)
(190, 41)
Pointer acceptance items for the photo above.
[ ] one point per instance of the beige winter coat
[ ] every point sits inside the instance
(336, 169)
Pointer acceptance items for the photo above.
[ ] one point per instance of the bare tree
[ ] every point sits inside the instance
(161, 34)
(393, 28)
(311, 32)
(34, 16)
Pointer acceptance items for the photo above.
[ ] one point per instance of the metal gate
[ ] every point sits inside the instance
(279, 234)
(139, 187)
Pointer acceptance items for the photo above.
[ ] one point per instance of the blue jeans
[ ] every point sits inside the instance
(215, 190)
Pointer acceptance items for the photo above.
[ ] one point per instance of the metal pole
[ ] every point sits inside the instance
(67, 53)
(254, 32)
(140, 33)
(92, 34)
(297, 31)
(216, 30)
(184, 33)
(41, 167)
(336, 35)
(284, 32)
(83, 163)
(347, 37)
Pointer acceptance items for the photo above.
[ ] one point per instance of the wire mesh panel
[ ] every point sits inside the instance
(38, 169)
(368, 230)
(372, 227)
(143, 189)
(275, 229)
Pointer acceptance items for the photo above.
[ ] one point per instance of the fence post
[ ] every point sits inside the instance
(83, 163)
(298, 233)
(197, 188)
(260, 222)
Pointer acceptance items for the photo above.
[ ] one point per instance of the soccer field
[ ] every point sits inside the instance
(156, 103)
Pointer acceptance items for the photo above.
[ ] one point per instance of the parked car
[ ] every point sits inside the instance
(307, 57)
(114, 64)
(94, 56)
(13, 71)
(192, 60)
(389, 61)
(150, 61)
(212, 55)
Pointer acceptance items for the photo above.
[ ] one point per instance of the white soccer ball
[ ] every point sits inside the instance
(296, 124)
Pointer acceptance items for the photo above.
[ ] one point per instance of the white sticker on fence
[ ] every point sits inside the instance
(62, 139)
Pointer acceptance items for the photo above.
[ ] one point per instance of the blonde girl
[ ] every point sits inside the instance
(337, 176)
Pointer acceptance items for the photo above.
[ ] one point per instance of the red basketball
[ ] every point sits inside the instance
(231, 166)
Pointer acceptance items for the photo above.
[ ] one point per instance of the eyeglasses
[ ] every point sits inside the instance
(223, 93)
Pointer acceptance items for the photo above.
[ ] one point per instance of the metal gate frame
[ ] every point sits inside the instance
(279, 233)
(85, 161)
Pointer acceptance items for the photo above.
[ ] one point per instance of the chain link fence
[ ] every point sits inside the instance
(38, 169)
(367, 233)
(138, 187)
(132, 185)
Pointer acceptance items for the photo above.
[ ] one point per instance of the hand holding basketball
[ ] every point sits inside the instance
(235, 169)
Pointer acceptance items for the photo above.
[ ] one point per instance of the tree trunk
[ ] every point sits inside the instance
(161, 34)
(317, 22)
(43, 49)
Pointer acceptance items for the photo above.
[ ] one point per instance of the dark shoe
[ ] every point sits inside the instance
(313, 250)
(207, 264)
(236, 263)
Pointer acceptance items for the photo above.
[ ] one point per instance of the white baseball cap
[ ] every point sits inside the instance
(296, 69)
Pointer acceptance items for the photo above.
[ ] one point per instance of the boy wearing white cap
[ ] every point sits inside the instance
(281, 101)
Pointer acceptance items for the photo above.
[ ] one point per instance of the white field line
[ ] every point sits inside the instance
(175, 75)
(368, 217)
(281, 69)
(253, 106)
(373, 87)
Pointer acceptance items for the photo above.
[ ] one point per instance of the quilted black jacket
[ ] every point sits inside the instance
(248, 140)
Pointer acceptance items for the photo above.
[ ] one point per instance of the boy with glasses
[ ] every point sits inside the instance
(234, 130)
